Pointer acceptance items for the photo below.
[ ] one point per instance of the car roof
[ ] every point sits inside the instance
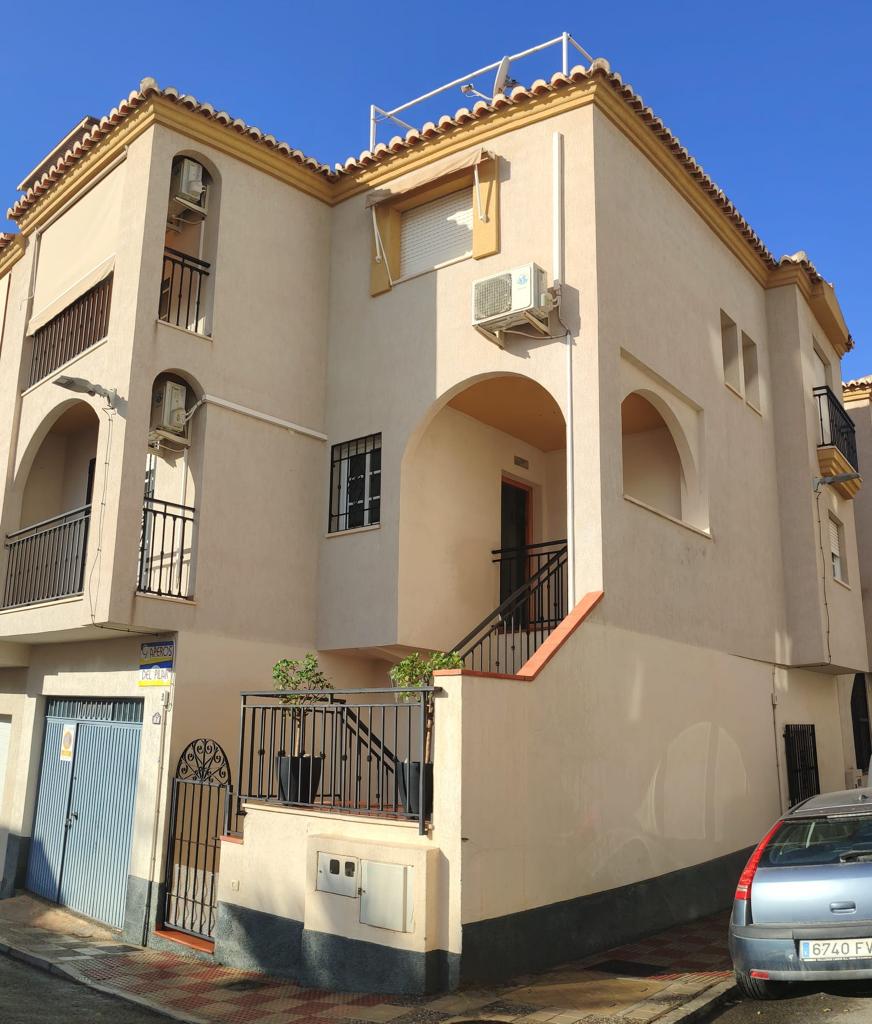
(845, 801)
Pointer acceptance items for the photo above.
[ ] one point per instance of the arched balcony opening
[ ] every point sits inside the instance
(172, 473)
(483, 522)
(653, 471)
(189, 246)
(46, 556)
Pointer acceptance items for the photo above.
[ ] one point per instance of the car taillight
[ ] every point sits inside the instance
(743, 889)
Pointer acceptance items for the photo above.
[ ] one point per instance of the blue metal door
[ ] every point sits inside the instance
(49, 825)
(84, 817)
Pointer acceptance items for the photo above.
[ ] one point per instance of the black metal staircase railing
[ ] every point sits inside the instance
(349, 751)
(515, 630)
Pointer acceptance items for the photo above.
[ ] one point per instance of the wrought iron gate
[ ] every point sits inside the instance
(802, 765)
(199, 816)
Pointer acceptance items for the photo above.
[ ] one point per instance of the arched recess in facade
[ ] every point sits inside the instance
(172, 488)
(190, 243)
(485, 469)
(659, 466)
(48, 521)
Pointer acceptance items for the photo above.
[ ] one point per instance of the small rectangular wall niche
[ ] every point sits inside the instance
(730, 350)
(751, 371)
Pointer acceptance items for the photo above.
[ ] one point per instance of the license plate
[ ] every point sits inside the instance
(835, 949)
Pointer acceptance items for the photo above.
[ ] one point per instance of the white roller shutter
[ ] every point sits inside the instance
(436, 233)
(836, 549)
(5, 733)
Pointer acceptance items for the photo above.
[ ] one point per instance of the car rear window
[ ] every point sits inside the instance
(819, 841)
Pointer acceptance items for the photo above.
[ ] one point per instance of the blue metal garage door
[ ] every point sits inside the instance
(82, 829)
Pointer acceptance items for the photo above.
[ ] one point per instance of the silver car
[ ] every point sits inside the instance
(803, 906)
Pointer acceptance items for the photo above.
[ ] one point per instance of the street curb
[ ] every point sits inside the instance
(44, 964)
(700, 1005)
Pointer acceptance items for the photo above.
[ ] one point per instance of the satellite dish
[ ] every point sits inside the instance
(502, 79)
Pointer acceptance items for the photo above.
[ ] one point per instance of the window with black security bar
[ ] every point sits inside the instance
(355, 484)
(800, 748)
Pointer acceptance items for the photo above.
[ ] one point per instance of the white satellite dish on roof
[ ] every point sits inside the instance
(502, 80)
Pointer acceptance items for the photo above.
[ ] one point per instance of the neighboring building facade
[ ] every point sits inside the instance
(857, 395)
(298, 441)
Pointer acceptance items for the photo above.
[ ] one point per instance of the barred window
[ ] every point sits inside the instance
(355, 483)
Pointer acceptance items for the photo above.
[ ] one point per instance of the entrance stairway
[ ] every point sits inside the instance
(505, 639)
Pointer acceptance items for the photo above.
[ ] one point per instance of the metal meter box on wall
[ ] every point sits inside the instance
(387, 896)
(338, 874)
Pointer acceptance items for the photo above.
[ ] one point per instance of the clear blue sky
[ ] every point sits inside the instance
(772, 99)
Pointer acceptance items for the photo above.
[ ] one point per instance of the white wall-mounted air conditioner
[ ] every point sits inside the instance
(188, 190)
(170, 398)
(518, 297)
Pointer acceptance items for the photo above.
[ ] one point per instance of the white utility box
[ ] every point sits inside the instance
(387, 896)
(338, 875)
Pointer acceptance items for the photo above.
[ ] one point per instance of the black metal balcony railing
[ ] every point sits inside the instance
(517, 565)
(515, 630)
(82, 324)
(835, 426)
(166, 549)
(340, 750)
(183, 290)
(47, 560)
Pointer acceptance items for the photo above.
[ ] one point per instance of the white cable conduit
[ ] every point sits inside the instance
(558, 233)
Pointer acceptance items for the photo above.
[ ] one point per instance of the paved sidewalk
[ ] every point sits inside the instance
(668, 978)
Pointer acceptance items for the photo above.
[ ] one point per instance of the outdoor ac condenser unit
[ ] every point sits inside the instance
(188, 191)
(170, 400)
(518, 297)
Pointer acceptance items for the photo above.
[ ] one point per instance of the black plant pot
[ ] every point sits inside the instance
(299, 778)
(409, 785)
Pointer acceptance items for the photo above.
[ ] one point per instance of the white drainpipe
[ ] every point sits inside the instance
(558, 239)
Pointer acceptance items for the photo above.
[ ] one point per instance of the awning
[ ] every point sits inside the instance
(432, 172)
(84, 284)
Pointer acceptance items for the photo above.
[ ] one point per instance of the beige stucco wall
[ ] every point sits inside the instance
(628, 757)
(395, 359)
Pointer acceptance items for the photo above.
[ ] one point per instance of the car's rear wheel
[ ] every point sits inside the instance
(759, 988)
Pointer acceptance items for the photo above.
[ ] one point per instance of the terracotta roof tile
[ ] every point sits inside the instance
(148, 88)
(599, 71)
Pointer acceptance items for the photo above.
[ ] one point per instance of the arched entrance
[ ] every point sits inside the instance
(46, 555)
(483, 506)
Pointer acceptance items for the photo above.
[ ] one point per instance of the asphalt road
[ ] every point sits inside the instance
(846, 1003)
(31, 996)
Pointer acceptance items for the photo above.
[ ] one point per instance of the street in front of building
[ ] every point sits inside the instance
(31, 995)
(847, 1003)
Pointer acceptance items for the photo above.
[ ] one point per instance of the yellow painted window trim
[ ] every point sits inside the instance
(387, 220)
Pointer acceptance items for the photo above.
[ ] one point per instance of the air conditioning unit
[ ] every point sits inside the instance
(169, 400)
(188, 191)
(519, 297)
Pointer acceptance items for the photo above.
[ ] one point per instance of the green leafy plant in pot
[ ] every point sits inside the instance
(415, 673)
(299, 773)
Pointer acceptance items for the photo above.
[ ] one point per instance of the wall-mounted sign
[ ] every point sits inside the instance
(68, 741)
(156, 660)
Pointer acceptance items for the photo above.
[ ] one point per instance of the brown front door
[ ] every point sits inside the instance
(515, 519)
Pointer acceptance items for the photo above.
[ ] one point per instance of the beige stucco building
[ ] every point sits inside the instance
(285, 434)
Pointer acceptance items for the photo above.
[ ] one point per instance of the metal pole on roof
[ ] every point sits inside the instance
(565, 53)
(371, 127)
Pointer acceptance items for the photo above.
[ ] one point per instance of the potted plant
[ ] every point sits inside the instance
(415, 673)
(299, 773)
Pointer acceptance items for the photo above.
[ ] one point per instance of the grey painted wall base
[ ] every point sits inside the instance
(505, 946)
(253, 940)
(14, 864)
